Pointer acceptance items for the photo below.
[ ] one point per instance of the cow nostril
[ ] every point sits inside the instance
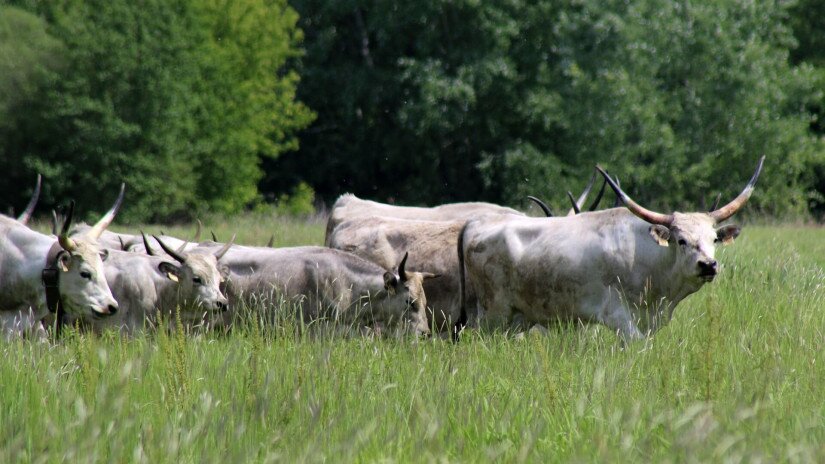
(222, 306)
(112, 309)
(708, 266)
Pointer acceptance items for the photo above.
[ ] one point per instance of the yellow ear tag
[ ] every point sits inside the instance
(172, 277)
(727, 241)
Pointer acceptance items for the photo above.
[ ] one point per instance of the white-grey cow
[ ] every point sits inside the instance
(146, 285)
(82, 285)
(327, 283)
(624, 268)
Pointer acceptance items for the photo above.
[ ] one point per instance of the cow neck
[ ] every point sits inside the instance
(667, 287)
(51, 283)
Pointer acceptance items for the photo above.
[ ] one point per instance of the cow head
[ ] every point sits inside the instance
(83, 287)
(406, 289)
(693, 235)
(198, 275)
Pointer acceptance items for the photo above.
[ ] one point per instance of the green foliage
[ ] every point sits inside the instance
(807, 18)
(27, 52)
(464, 100)
(29, 55)
(246, 107)
(178, 99)
(300, 203)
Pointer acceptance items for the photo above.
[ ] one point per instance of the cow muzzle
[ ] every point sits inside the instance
(708, 269)
(101, 312)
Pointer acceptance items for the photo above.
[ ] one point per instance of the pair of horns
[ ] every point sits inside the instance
(94, 233)
(178, 254)
(576, 204)
(666, 220)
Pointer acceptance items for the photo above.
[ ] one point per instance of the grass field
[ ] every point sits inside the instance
(738, 375)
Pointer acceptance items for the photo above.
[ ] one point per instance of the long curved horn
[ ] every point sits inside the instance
(731, 208)
(219, 254)
(54, 222)
(579, 203)
(149, 250)
(643, 213)
(214, 238)
(107, 218)
(402, 273)
(170, 251)
(122, 245)
(271, 242)
(197, 237)
(27, 213)
(182, 247)
(542, 205)
(600, 195)
(575, 209)
(67, 243)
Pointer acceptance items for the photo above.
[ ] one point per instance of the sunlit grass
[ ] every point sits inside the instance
(737, 375)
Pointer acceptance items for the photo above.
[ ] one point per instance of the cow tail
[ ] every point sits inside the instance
(462, 318)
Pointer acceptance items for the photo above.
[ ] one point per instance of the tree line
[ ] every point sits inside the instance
(201, 105)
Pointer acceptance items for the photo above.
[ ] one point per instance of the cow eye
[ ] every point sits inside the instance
(197, 280)
(86, 275)
(682, 242)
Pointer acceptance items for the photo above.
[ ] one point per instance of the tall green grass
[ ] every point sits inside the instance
(737, 376)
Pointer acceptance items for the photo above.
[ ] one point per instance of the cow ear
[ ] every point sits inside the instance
(727, 234)
(660, 234)
(390, 281)
(223, 269)
(63, 261)
(104, 254)
(169, 270)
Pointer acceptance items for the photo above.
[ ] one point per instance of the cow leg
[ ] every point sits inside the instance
(616, 316)
(20, 323)
(621, 322)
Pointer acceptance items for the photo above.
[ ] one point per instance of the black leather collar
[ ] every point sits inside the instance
(51, 282)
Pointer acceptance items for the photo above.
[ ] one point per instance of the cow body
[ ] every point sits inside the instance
(596, 267)
(324, 283)
(624, 268)
(384, 240)
(349, 207)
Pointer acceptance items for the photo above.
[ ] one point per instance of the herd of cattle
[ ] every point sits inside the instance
(422, 270)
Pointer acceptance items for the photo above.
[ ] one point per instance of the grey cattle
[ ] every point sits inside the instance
(383, 240)
(328, 283)
(624, 268)
(82, 285)
(349, 206)
(146, 285)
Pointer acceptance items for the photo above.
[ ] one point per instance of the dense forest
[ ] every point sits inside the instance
(221, 106)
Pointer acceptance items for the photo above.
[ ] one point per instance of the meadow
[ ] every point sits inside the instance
(738, 375)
